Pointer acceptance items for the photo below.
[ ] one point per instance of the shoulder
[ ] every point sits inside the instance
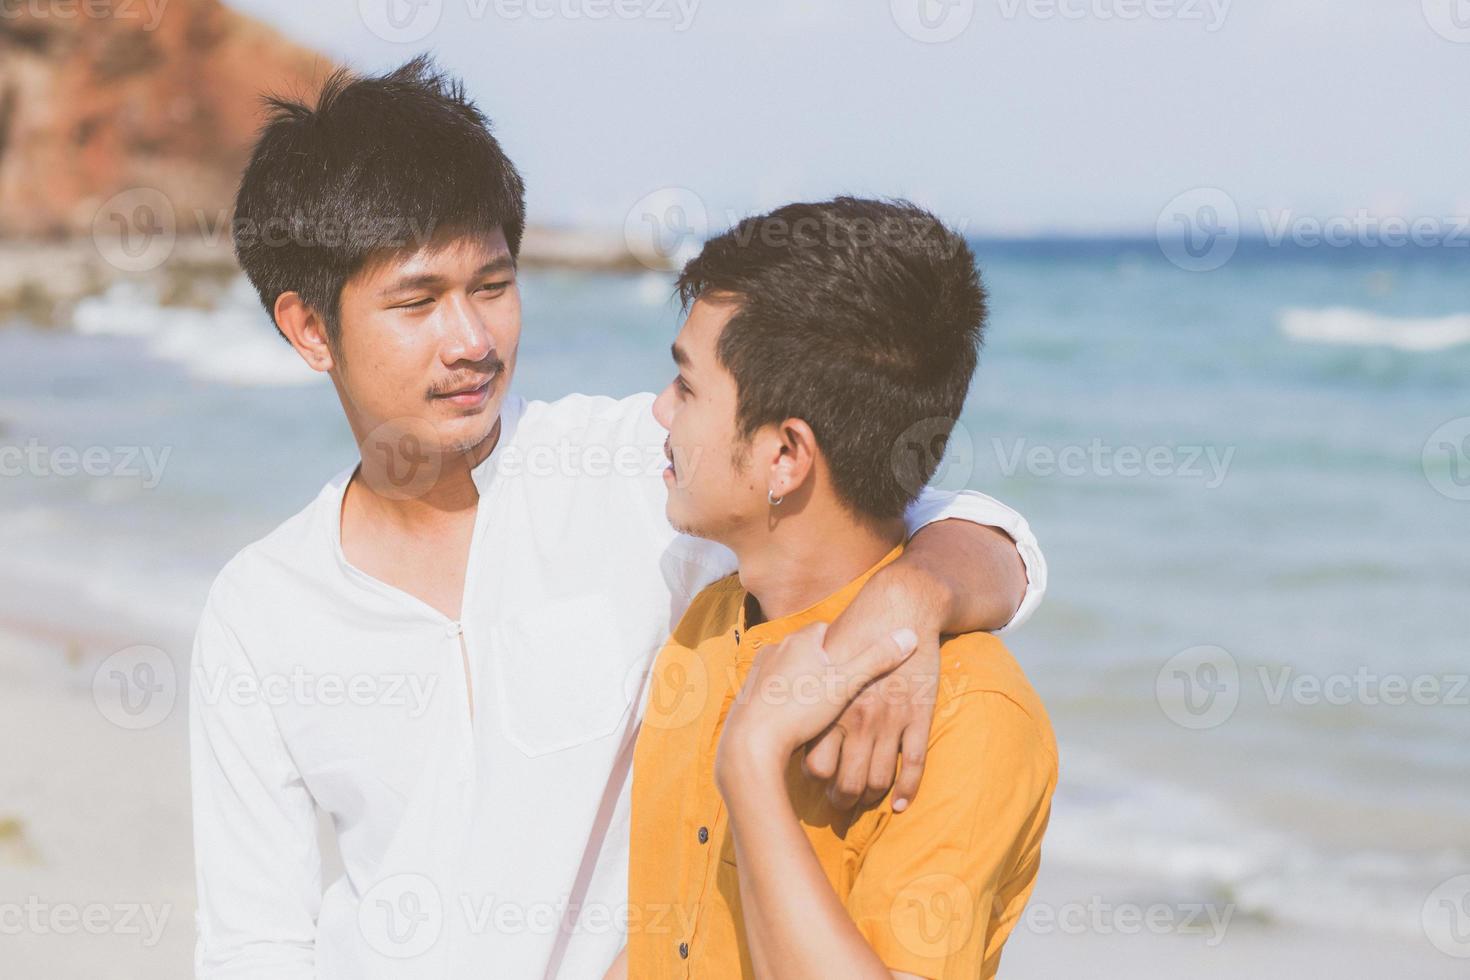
(589, 415)
(294, 547)
(983, 689)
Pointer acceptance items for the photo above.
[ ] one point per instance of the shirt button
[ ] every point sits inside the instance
(453, 629)
(704, 835)
(683, 951)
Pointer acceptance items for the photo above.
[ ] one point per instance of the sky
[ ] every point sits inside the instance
(1008, 117)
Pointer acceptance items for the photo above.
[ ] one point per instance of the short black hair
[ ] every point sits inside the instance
(864, 318)
(380, 165)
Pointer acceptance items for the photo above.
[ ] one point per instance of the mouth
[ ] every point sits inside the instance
(672, 470)
(469, 396)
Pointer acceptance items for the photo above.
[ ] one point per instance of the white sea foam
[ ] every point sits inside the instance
(234, 342)
(1359, 328)
(91, 586)
(1106, 819)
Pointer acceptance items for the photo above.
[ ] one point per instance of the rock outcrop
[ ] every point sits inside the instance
(158, 94)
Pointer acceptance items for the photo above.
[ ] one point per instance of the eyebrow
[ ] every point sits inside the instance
(681, 357)
(501, 263)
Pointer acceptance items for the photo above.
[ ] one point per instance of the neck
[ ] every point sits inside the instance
(806, 557)
(452, 492)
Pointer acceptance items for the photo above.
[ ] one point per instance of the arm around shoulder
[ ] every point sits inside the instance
(984, 556)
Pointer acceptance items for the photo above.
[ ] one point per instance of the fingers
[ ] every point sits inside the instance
(911, 771)
(852, 773)
(882, 768)
(857, 768)
(822, 756)
(877, 660)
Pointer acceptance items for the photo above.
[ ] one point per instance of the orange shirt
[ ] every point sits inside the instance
(935, 889)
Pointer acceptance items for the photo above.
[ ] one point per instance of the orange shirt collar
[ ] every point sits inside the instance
(823, 611)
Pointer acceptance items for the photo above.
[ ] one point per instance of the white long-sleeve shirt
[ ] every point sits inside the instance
(492, 847)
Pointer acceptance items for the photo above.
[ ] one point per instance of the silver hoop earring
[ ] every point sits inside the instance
(774, 500)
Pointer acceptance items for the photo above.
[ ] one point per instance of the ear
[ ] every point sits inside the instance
(306, 329)
(797, 460)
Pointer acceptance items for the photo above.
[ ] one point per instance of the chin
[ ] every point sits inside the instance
(691, 524)
(677, 520)
(463, 434)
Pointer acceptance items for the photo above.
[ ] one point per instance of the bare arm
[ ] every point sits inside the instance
(795, 925)
(972, 574)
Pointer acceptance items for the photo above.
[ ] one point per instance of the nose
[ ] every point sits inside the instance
(467, 334)
(663, 411)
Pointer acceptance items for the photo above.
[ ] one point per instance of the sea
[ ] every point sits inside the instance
(1251, 484)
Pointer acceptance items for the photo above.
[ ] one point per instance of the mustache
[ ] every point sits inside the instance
(483, 371)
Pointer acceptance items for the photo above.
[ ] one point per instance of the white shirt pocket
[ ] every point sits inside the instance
(561, 671)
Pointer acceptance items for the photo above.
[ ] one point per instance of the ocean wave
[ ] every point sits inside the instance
(1360, 328)
(76, 587)
(1107, 820)
(232, 343)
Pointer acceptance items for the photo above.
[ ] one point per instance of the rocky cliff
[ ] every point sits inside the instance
(159, 94)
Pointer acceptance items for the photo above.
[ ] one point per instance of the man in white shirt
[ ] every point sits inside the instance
(446, 651)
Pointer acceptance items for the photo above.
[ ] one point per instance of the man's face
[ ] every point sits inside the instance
(715, 487)
(427, 342)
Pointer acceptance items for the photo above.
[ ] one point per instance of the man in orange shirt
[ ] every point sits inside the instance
(821, 340)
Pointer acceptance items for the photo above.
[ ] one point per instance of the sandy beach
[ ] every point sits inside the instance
(97, 865)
